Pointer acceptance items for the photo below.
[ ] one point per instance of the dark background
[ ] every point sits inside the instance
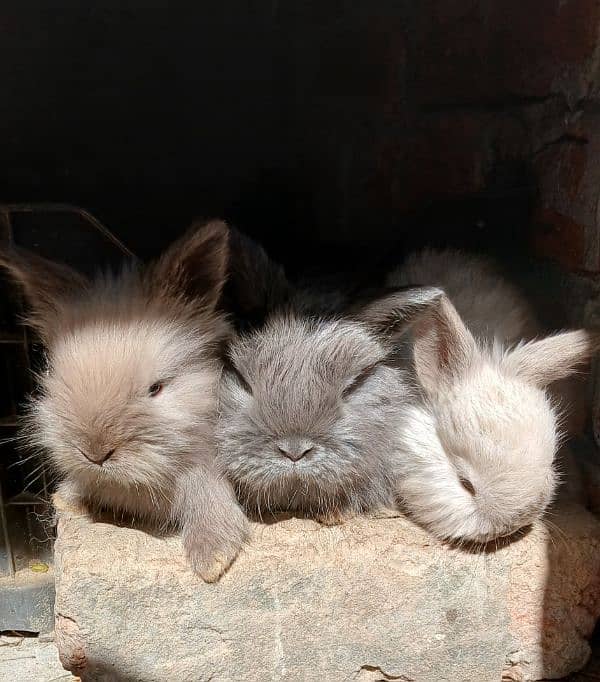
(321, 128)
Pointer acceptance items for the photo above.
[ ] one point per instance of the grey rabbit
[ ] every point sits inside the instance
(307, 402)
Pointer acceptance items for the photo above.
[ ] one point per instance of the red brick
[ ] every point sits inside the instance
(442, 156)
(568, 175)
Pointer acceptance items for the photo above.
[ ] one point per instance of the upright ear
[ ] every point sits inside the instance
(46, 285)
(195, 266)
(555, 357)
(256, 285)
(443, 347)
(390, 314)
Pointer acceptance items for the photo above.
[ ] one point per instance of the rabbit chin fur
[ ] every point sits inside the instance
(476, 460)
(317, 386)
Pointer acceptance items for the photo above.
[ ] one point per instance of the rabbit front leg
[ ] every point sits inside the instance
(214, 527)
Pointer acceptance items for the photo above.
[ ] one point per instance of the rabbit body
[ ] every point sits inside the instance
(476, 454)
(127, 402)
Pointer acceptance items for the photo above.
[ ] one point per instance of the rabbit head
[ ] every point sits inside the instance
(132, 364)
(477, 461)
(305, 408)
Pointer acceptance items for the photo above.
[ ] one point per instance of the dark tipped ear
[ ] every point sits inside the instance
(256, 285)
(555, 357)
(46, 285)
(195, 266)
(391, 314)
(443, 347)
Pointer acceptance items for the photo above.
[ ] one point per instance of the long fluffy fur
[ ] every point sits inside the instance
(476, 455)
(109, 340)
(293, 387)
(491, 307)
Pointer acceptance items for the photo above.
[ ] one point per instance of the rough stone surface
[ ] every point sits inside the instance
(375, 599)
(30, 659)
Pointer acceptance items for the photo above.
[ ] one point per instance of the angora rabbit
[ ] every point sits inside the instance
(308, 404)
(476, 455)
(127, 402)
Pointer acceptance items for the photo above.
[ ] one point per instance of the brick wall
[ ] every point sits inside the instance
(401, 105)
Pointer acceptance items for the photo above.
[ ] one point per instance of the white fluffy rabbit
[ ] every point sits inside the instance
(476, 455)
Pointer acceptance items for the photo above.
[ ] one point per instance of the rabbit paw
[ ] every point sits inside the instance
(67, 499)
(211, 569)
(209, 561)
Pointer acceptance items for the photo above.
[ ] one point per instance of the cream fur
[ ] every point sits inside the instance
(107, 342)
(476, 456)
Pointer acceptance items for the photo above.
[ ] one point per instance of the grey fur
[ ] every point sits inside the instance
(326, 386)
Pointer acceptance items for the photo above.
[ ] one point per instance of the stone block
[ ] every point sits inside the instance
(374, 599)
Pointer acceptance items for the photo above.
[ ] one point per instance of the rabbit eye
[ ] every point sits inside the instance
(155, 389)
(232, 369)
(467, 485)
(360, 379)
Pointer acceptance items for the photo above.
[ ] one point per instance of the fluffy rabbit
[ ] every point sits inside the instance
(490, 306)
(306, 408)
(127, 402)
(476, 456)
(257, 286)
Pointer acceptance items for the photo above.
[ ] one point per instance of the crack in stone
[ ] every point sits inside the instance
(385, 677)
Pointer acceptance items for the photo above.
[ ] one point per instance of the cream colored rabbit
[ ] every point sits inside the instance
(126, 407)
(476, 455)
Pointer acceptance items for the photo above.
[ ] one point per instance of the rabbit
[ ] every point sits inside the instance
(491, 306)
(476, 453)
(306, 405)
(127, 402)
(256, 285)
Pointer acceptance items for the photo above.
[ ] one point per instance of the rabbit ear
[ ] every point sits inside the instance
(195, 265)
(443, 347)
(256, 284)
(555, 357)
(45, 285)
(392, 313)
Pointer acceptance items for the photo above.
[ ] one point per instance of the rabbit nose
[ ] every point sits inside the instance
(295, 450)
(98, 456)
